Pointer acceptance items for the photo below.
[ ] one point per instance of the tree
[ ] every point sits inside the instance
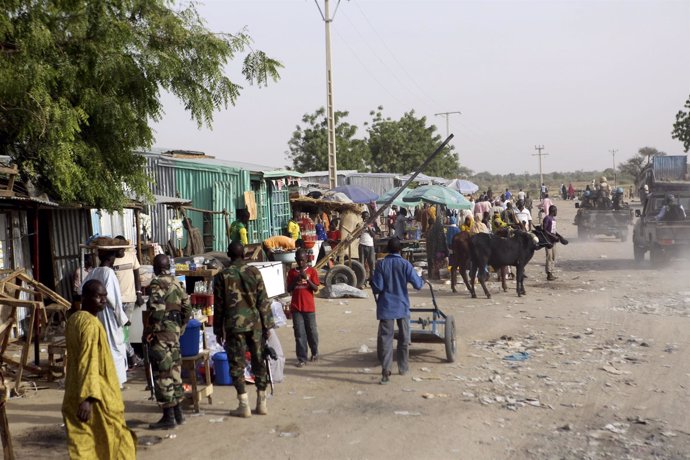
(634, 165)
(80, 81)
(308, 147)
(402, 145)
(681, 128)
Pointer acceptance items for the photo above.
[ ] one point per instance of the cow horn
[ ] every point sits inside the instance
(535, 239)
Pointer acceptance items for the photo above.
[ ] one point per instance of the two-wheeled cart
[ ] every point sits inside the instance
(439, 328)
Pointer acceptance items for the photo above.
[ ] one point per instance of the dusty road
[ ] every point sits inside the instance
(607, 376)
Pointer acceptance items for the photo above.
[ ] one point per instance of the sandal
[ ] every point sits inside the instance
(301, 364)
(314, 358)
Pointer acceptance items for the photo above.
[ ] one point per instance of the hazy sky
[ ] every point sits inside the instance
(579, 77)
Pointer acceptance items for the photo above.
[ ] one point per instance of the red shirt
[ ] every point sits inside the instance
(333, 235)
(302, 295)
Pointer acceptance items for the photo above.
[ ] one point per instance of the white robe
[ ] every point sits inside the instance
(113, 318)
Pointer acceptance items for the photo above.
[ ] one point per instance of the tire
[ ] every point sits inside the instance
(449, 339)
(657, 256)
(340, 274)
(360, 271)
(638, 252)
(624, 236)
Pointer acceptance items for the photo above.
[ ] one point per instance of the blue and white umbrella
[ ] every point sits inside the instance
(463, 186)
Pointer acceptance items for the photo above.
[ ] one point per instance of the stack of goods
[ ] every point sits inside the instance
(308, 229)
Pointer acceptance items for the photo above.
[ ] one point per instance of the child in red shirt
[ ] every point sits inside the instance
(302, 282)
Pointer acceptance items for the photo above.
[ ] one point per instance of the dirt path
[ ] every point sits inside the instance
(607, 376)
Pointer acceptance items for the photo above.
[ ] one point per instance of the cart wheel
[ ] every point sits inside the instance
(449, 339)
(359, 270)
(340, 274)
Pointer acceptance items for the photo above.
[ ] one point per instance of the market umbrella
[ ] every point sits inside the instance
(398, 200)
(463, 186)
(357, 193)
(438, 194)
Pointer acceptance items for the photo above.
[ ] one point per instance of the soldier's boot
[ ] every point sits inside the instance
(179, 417)
(261, 408)
(167, 422)
(243, 409)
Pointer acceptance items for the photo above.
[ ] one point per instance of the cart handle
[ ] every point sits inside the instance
(433, 296)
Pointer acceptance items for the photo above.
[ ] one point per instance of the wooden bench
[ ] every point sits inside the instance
(190, 363)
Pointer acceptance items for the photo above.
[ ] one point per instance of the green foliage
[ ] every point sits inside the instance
(631, 168)
(396, 146)
(81, 80)
(309, 144)
(402, 145)
(681, 128)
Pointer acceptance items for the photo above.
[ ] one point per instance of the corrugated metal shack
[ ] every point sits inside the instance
(216, 185)
(379, 183)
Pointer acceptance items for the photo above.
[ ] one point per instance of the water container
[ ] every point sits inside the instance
(221, 368)
(189, 341)
(172, 267)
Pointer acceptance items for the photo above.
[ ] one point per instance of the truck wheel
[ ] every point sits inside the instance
(341, 274)
(639, 253)
(657, 256)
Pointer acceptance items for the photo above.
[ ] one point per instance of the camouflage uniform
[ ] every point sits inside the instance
(170, 310)
(242, 313)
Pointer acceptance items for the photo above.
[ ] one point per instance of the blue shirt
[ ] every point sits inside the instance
(390, 284)
(451, 231)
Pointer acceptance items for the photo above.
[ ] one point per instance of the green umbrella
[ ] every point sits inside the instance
(438, 194)
(398, 200)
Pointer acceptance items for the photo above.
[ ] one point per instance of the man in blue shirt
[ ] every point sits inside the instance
(389, 285)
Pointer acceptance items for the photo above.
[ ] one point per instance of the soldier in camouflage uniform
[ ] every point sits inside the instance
(169, 310)
(242, 318)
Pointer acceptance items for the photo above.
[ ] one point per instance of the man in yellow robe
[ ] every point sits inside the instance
(92, 408)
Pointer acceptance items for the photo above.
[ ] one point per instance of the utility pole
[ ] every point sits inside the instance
(447, 114)
(330, 117)
(541, 174)
(613, 154)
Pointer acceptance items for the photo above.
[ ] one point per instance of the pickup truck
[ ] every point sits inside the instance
(609, 222)
(662, 238)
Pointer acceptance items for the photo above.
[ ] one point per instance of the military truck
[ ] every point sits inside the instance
(663, 234)
(601, 215)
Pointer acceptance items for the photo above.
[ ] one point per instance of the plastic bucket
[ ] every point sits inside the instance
(189, 341)
(221, 368)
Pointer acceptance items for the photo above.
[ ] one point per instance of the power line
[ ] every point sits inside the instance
(402, 67)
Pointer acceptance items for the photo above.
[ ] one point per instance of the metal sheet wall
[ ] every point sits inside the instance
(70, 227)
(378, 183)
(211, 185)
(280, 209)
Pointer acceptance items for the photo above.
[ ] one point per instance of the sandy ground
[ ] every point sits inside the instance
(607, 376)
